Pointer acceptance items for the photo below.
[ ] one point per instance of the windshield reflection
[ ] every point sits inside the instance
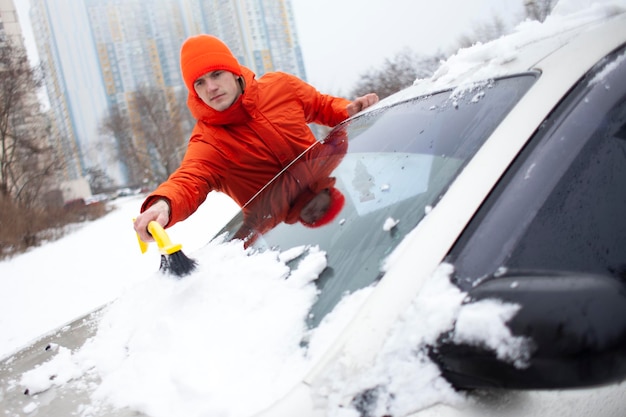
(386, 170)
(304, 192)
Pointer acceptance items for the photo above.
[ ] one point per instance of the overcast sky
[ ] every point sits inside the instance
(342, 39)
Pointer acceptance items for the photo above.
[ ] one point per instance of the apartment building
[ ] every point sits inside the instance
(97, 52)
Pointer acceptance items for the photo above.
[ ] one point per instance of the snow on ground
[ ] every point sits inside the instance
(58, 282)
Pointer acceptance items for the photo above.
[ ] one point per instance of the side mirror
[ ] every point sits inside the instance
(576, 323)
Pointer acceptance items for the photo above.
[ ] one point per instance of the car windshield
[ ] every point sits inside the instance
(387, 168)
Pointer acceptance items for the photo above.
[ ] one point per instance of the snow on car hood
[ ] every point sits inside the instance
(204, 346)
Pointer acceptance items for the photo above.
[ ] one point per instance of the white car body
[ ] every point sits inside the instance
(562, 60)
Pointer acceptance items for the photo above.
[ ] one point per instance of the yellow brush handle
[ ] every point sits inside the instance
(166, 247)
(143, 246)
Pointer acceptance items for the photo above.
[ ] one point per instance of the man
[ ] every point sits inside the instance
(247, 130)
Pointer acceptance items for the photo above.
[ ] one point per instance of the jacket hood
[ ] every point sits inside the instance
(337, 201)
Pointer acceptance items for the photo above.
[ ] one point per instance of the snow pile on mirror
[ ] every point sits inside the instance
(403, 379)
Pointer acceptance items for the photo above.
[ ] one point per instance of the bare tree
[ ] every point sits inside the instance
(538, 9)
(98, 179)
(150, 136)
(484, 32)
(116, 124)
(396, 74)
(160, 124)
(28, 165)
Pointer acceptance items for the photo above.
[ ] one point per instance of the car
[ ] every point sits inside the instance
(486, 205)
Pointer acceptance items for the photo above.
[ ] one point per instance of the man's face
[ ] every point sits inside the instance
(218, 89)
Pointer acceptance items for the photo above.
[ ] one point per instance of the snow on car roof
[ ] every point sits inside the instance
(519, 51)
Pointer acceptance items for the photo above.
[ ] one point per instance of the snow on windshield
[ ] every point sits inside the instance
(233, 330)
(197, 345)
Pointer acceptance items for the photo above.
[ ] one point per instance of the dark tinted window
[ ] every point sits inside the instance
(562, 206)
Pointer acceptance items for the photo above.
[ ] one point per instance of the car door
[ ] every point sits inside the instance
(559, 213)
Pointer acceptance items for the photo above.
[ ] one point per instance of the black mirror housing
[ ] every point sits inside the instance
(576, 324)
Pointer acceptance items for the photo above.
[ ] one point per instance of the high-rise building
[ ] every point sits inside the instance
(261, 33)
(9, 23)
(73, 81)
(97, 52)
(136, 45)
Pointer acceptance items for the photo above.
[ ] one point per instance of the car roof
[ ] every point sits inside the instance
(528, 48)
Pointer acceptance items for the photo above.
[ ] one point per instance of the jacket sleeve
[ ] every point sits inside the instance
(190, 184)
(319, 108)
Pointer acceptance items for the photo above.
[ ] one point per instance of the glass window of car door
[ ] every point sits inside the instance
(562, 205)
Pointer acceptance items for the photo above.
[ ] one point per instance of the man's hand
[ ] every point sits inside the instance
(361, 103)
(159, 212)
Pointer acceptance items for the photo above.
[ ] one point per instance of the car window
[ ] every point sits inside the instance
(562, 205)
(391, 166)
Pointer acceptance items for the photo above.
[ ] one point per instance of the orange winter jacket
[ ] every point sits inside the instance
(239, 150)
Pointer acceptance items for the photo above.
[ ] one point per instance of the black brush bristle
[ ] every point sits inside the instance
(177, 264)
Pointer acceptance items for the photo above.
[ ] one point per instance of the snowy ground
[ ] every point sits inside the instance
(55, 283)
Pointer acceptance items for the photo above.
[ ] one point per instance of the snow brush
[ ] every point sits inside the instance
(173, 260)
